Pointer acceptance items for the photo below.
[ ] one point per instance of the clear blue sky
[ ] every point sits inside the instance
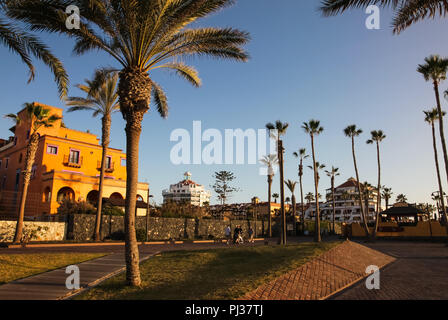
(303, 66)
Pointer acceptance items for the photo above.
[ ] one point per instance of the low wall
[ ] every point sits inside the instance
(55, 231)
(81, 227)
(424, 229)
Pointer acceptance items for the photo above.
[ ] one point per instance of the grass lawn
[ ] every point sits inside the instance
(17, 266)
(209, 274)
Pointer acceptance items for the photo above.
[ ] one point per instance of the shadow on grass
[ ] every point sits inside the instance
(210, 274)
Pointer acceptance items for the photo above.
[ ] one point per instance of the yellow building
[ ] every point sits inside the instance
(67, 166)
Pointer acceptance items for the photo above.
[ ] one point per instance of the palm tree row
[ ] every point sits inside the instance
(141, 36)
(314, 129)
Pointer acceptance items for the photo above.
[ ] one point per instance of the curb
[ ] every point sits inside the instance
(94, 244)
(356, 282)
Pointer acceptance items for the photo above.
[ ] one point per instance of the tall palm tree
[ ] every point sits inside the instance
(434, 69)
(436, 198)
(26, 46)
(386, 194)
(402, 198)
(377, 136)
(352, 131)
(313, 129)
(319, 167)
(275, 196)
(292, 186)
(333, 173)
(270, 161)
(309, 197)
(407, 12)
(367, 192)
(39, 117)
(276, 131)
(141, 36)
(101, 101)
(431, 117)
(302, 156)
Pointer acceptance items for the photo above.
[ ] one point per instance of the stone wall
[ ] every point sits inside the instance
(81, 227)
(51, 231)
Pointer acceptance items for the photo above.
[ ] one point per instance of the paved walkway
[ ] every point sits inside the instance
(317, 279)
(51, 285)
(420, 272)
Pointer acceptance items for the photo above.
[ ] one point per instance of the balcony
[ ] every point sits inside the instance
(109, 169)
(71, 162)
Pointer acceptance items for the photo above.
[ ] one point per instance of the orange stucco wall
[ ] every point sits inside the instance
(53, 172)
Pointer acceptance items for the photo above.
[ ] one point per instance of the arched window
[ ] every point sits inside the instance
(92, 197)
(116, 196)
(46, 197)
(139, 198)
(66, 193)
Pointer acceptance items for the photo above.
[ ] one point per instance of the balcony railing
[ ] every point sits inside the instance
(70, 162)
(109, 170)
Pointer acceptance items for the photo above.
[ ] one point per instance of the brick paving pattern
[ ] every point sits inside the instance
(323, 276)
(420, 272)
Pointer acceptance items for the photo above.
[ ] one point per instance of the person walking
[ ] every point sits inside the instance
(251, 235)
(235, 234)
(228, 233)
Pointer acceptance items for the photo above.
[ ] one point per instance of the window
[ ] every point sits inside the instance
(20, 158)
(4, 182)
(0, 164)
(108, 162)
(6, 163)
(74, 156)
(123, 162)
(16, 188)
(52, 149)
(33, 171)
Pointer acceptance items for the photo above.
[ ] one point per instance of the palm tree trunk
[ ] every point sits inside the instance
(134, 90)
(439, 180)
(269, 206)
(361, 205)
(106, 122)
(334, 204)
(301, 196)
(133, 130)
(442, 138)
(282, 192)
(29, 161)
(378, 201)
(317, 237)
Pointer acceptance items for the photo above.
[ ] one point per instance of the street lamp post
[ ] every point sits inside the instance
(148, 208)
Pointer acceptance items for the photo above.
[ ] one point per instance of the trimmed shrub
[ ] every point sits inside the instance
(118, 235)
(76, 207)
(110, 210)
(141, 235)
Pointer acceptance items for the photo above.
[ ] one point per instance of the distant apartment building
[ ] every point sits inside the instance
(187, 191)
(67, 166)
(346, 204)
(252, 209)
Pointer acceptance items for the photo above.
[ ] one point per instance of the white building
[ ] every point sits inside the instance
(346, 204)
(187, 191)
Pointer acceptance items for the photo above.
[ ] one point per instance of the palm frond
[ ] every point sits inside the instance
(160, 100)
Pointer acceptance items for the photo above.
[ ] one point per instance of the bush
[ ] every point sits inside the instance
(141, 235)
(76, 207)
(110, 210)
(118, 235)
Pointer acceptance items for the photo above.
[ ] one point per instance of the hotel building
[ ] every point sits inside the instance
(187, 191)
(346, 204)
(67, 166)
